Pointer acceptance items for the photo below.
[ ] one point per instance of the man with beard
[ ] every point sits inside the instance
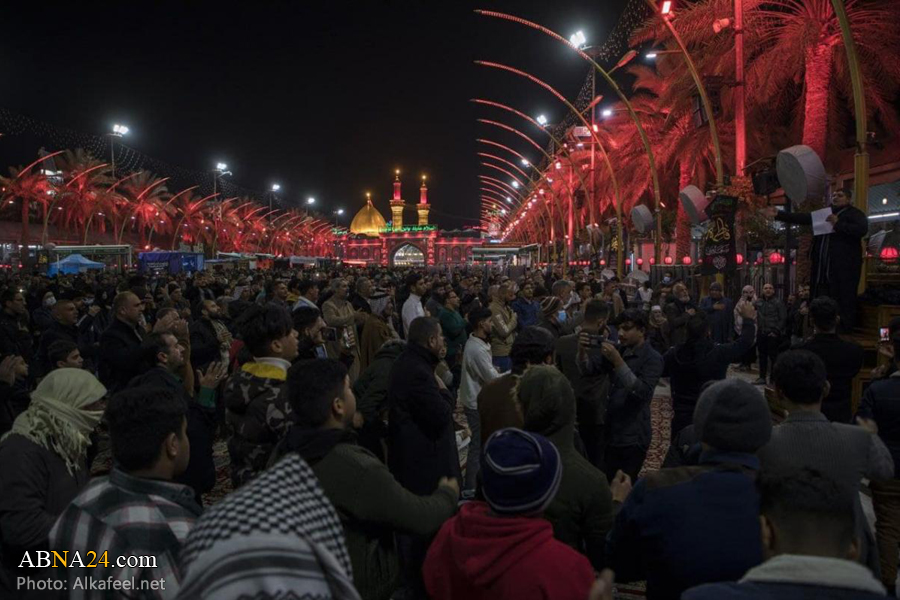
(678, 312)
(799, 320)
(836, 257)
(15, 336)
(772, 316)
(210, 338)
(164, 358)
(64, 327)
(719, 309)
(340, 314)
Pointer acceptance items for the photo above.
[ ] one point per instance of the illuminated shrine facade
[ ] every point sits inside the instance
(371, 241)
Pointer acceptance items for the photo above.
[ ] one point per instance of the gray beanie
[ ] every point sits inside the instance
(733, 416)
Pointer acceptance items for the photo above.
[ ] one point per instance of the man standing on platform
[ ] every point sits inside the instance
(836, 257)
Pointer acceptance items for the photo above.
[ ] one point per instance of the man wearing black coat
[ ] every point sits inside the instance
(843, 359)
(205, 345)
(64, 327)
(164, 357)
(691, 365)
(421, 439)
(120, 344)
(836, 257)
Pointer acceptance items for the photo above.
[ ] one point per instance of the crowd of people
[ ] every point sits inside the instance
(397, 433)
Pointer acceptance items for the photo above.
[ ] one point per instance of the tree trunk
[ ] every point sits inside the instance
(817, 76)
(682, 221)
(24, 255)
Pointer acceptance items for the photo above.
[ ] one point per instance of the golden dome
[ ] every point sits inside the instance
(368, 221)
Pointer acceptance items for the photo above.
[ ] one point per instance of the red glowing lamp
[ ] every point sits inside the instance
(641, 262)
(775, 258)
(652, 260)
(889, 254)
(602, 262)
(628, 262)
(668, 260)
(686, 260)
(740, 259)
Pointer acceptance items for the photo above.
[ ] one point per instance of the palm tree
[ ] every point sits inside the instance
(146, 196)
(796, 68)
(85, 178)
(29, 187)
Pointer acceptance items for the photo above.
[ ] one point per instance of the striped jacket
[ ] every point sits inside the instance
(125, 517)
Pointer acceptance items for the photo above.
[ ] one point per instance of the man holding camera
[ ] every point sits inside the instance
(635, 369)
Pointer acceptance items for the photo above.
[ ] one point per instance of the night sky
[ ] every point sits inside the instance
(327, 100)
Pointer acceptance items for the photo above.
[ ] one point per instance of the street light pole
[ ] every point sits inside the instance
(117, 132)
(740, 117)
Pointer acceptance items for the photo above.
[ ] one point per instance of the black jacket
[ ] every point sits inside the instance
(58, 332)
(205, 347)
(691, 366)
(880, 403)
(843, 360)
(840, 251)
(421, 438)
(15, 338)
(201, 428)
(371, 390)
(120, 355)
(677, 317)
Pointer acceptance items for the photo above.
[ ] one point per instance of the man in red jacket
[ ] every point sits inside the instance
(502, 548)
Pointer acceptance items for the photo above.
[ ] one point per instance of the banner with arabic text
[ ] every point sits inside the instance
(718, 250)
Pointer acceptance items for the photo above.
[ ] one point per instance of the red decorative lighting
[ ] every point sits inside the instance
(889, 254)
(740, 259)
(602, 262)
(775, 258)
(668, 260)
(641, 262)
(686, 260)
(652, 261)
(628, 262)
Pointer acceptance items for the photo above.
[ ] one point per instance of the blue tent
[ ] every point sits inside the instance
(74, 263)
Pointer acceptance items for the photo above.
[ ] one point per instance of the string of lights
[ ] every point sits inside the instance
(130, 160)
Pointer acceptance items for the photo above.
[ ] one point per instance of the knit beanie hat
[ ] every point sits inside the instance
(520, 472)
(733, 416)
(550, 305)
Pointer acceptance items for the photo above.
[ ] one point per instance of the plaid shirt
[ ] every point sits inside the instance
(127, 517)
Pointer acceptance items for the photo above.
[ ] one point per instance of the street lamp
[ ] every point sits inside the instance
(525, 162)
(272, 196)
(275, 187)
(515, 184)
(542, 120)
(310, 200)
(337, 213)
(577, 39)
(117, 132)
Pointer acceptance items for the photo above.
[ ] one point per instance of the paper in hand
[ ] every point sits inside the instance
(820, 225)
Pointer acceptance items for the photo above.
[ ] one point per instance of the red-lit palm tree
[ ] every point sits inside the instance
(80, 196)
(146, 209)
(29, 187)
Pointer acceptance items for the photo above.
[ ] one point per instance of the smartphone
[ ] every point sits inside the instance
(884, 335)
(596, 341)
(329, 334)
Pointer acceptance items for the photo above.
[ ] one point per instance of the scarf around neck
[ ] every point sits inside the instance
(56, 418)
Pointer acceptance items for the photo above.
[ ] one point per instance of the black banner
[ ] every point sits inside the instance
(719, 254)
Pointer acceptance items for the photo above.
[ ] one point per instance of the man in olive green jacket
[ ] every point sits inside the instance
(371, 504)
(504, 321)
(582, 512)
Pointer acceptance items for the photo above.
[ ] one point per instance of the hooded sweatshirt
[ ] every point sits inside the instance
(478, 555)
(582, 512)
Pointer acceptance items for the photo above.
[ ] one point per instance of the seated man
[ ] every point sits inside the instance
(685, 526)
(809, 538)
(137, 510)
(370, 502)
(844, 453)
(502, 549)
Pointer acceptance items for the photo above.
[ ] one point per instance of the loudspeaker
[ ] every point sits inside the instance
(641, 218)
(801, 173)
(694, 202)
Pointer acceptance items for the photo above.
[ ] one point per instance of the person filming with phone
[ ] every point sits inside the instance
(312, 333)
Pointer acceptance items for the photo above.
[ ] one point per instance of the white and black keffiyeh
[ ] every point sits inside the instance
(276, 537)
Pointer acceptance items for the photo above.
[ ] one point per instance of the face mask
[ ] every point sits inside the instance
(562, 316)
(49, 301)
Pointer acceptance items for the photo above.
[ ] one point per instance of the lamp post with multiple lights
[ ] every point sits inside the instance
(117, 132)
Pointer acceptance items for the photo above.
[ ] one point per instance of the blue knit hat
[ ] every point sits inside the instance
(520, 472)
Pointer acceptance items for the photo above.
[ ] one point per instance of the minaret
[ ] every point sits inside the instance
(397, 205)
(423, 204)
